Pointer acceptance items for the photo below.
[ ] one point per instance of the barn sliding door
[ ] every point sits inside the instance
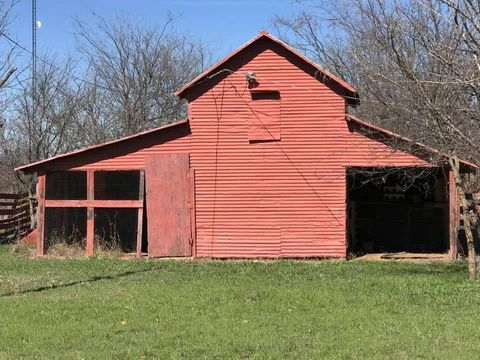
(167, 201)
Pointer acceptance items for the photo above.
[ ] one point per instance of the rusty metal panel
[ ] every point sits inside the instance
(167, 201)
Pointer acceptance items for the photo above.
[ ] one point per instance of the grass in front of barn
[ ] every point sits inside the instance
(103, 308)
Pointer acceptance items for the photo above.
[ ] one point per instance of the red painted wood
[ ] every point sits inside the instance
(95, 203)
(193, 225)
(168, 193)
(31, 238)
(141, 194)
(41, 214)
(90, 214)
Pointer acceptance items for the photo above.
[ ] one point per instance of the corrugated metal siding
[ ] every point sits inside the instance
(276, 199)
(129, 155)
(268, 199)
(265, 120)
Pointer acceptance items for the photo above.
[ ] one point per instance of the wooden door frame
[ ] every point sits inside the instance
(193, 210)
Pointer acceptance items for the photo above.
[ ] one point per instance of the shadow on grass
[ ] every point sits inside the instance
(294, 270)
(76, 282)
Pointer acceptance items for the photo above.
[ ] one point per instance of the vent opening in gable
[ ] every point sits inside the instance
(264, 123)
(265, 95)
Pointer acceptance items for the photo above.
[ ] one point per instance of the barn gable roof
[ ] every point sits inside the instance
(40, 164)
(351, 92)
(391, 134)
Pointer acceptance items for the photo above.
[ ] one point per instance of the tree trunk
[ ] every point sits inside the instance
(467, 224)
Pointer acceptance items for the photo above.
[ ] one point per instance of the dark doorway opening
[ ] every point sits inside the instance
(65, 227)
(116, 229)
(397, 210)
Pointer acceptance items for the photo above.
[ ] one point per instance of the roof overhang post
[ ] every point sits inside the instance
(41, 184)
(453, 215)
(90, 213)
(141, 195)
(192, 205)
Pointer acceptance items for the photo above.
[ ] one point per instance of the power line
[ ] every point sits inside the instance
(16, 43)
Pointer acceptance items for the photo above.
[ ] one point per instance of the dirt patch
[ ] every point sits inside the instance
(405, 256)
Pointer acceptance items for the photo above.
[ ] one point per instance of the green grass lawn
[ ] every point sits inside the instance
(142, 309)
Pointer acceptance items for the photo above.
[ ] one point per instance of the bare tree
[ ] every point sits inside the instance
(465, 14)
(7, 49)
(129, 76)
(133, 72)
(416, 66)
(53, 130)
(8, 53)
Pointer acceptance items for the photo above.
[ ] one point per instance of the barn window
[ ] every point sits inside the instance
(264, 122)
(116, 229)
(117, 185)
(66, 185)
(65, 230)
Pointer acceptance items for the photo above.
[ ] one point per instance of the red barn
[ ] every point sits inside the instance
(263, 167)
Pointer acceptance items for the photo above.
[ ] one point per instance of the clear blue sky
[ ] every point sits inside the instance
(222, 25)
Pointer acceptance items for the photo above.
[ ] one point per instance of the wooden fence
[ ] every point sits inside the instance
(15, 218)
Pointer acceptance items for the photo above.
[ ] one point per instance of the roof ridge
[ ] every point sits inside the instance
(265, 34)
